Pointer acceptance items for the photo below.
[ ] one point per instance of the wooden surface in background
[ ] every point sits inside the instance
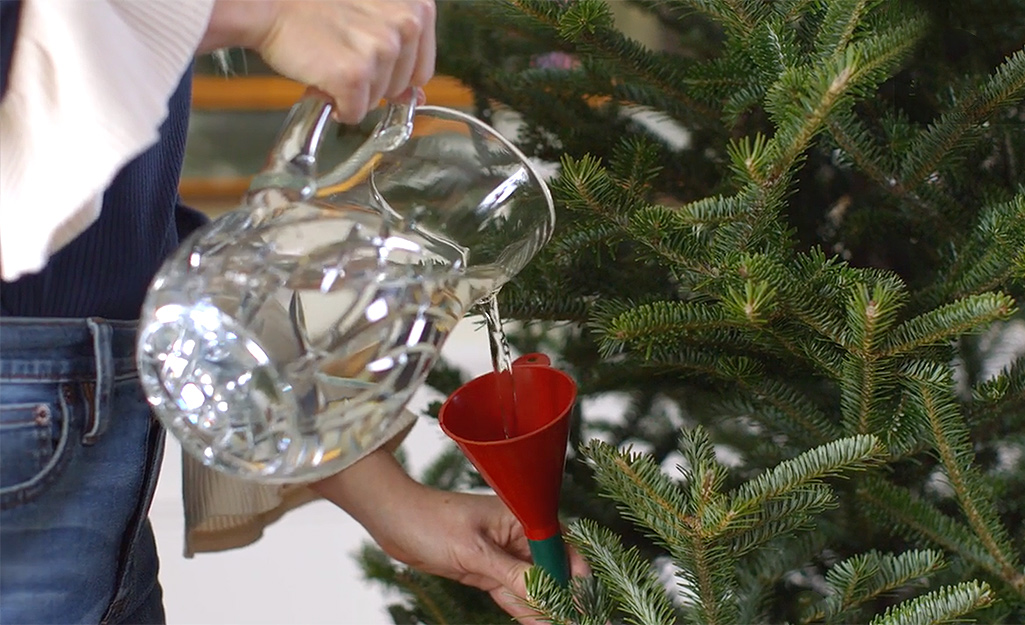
(271, 93)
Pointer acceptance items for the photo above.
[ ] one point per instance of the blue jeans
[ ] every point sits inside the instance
(79, 457)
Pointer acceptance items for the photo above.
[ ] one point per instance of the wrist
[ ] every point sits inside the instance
(372, 488)
(238, 23)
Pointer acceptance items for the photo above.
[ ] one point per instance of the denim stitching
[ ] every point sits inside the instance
(154, 454)
(27, 491)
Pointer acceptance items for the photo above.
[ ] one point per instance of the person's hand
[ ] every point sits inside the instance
(355, 51)
(473, 539)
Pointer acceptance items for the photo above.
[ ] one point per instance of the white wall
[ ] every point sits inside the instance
(302, 570)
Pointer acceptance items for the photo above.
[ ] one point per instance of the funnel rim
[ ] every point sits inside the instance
(505, 441)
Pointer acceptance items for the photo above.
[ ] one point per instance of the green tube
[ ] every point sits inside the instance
(550, 555)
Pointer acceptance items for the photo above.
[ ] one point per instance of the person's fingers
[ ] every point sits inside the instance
(401, 74)
(577, 566)
(350, 91)
(515, 606)
(427, 49)
(410, 20)
(364, 49)
(389, 50)
(513, 573)
(356, 51)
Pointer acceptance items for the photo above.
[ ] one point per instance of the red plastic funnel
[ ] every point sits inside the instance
(525, 469)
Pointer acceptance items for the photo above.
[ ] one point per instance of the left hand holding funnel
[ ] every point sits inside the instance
(472, 539)
(524, 464)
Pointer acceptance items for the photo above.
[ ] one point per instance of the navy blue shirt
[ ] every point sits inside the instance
(105, 271)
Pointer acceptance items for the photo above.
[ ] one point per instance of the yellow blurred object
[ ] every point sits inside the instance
(215, 194)
(272, 93)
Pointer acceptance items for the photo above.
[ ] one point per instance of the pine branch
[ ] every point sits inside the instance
(567, 246)
(870, 315)
(686, 525)
(551, 305)
(945, 135)
(546, 597)
(430, 602)
(708, 213)
(813, 290)
(531, 14)
(858, 144)
(585, 185)
(764, 568)
(805, 420)
(751, 306)
(588, 24)
(838, 26)
(931, 392)
(698, 240)
(636, 164)
(801, 106)
(730, 13)
(710, 573)
(781, 516)
(658, 323)
(685, 274)
(792, 407)
(944, 324)
(864, 381)
(909, 514)
(940, 606)
(955, 127)
(865, 393)
(679, 238)
(655, 503)
(987, 259)
(1002, 394)
(592, 600)
(628, 577)
(864, 577)
(791, 10)
(585, 602)
(702, 474)
(845, 454)
(822, 356)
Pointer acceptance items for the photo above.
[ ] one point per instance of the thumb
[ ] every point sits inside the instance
(509, 571)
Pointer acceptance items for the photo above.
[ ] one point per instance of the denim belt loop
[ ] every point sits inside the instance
(103, 353)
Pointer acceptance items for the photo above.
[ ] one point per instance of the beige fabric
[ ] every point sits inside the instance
(224, 512)
(88, 89)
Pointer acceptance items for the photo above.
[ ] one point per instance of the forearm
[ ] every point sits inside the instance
(375, 488)
(237, 24)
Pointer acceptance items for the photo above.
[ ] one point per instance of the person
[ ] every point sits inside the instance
(94, 109)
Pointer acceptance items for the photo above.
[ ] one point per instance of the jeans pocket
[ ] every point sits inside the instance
(34, 437)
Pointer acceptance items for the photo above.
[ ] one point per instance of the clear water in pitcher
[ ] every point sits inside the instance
(310, 329)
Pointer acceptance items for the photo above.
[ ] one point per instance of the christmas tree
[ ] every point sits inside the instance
(791, 234)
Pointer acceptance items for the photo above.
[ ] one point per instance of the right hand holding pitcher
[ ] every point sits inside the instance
(356, 51)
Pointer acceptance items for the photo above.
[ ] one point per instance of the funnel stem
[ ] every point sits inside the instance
(550, 555)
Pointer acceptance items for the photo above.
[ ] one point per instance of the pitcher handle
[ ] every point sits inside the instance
(293, 161)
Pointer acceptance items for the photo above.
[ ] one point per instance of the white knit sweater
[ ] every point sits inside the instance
(88, 88)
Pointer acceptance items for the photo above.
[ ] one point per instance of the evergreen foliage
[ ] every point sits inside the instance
(801, 305)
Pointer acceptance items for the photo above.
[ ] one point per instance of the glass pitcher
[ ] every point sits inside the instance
(281, 340)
